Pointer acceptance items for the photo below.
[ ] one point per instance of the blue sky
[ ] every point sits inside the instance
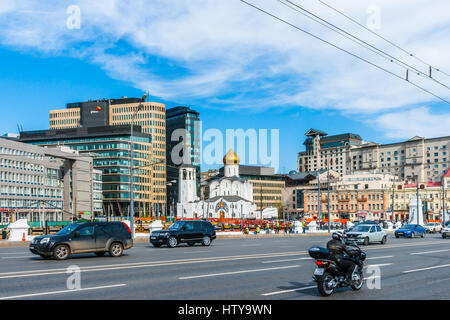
(236, 67)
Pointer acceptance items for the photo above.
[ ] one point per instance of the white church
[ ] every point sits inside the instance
(229, 197)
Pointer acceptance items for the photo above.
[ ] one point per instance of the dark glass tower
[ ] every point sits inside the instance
(186, 147)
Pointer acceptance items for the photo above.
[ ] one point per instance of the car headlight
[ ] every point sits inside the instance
(45, 240)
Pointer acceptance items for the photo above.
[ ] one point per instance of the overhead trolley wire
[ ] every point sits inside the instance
(344, 50)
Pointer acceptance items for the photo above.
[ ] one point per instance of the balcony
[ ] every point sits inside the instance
(360, 199)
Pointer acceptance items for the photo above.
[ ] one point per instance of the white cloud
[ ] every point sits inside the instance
(227, 49)
(415, 122)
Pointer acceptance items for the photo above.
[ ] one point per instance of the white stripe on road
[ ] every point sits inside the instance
(28, 256)
(284, 260)
(59, 292)
(428, 268)
(235, 272)
(378, 265)
(384, 257)
(304, 288)
(21, 274)
(286, 291)
(425, 252)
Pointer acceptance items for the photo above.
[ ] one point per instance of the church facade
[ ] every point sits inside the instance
(230, 196)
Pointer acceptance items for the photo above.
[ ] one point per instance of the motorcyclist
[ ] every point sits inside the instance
(337, 249)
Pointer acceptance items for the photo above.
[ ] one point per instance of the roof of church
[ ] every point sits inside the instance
(231, 158)
(232, 179)
(227, 198)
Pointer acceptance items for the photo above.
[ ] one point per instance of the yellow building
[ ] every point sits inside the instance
(151, 118)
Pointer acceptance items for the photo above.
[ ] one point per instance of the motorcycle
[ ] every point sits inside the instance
(329, 276)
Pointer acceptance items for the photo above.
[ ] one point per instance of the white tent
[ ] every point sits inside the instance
(18, 229)
(155, 226)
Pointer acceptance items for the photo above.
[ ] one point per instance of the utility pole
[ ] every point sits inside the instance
(417, 199)
(328, 199)
(443, 202)
(392, 205)
(319, 212)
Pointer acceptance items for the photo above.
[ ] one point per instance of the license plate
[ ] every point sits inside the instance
(318, 272)
(153, 238)
(400, 233)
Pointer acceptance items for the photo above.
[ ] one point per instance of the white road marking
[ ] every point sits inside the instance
(13, 253)
(17, 257)
(235, 272)
(378, 265)
(384, 257)
(284, 260)
(428, 268)
(21, 274)
(425, 252)
(287, 291)
(62, 291)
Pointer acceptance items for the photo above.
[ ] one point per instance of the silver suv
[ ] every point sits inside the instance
(365, 234)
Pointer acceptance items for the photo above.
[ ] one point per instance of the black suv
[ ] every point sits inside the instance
(95, 237)
(190, 232)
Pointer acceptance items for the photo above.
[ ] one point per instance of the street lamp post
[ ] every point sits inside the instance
(443, 202)
(139, 107)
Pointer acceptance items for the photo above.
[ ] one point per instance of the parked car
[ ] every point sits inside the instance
(433, 227)
(86, 237)
(410, 231)
(190, 232)
(446, 232)
(366, 233)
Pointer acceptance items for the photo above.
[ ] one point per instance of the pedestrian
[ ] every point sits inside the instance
(304, 226)
(267, 228)
(278, 226)
(257, 230)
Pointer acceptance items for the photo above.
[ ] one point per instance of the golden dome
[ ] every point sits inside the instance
(231, 158)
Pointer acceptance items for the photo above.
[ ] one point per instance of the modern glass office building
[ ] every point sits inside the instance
(110, 147)
(183, 143)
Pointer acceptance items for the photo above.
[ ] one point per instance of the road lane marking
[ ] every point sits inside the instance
(21, 274)
(425, 252)
(378, 265)
(284, 260)
(14, 253)
(428, 268)
(235, 272)
(383, 257)
(62, 291)
(28, 256)
(287, 291)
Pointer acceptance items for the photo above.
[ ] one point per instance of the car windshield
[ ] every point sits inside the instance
(430, 224)
(360, 228)
(68, 229)
(176, 225)
(408, 226)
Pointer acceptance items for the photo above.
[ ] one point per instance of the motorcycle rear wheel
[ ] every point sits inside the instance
(324, 285)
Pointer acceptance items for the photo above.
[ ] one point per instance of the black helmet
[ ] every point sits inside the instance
(337, 235)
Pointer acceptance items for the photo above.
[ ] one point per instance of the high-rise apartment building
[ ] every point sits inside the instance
(415, 159)
(111, 112)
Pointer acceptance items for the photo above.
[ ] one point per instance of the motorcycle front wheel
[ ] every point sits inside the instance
(325, 285)
(357, 284)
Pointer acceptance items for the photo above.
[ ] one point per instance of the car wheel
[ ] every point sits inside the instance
(172, 242)
(383, 241)
(206, 241)
(190, 244)
(366, 241)
(397, 236)
(100, 254)
(61, 252)
(413, 235)
(444, 235)
(423, 235)
(116, 249)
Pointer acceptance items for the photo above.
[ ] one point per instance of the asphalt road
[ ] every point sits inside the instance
(271, 268)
